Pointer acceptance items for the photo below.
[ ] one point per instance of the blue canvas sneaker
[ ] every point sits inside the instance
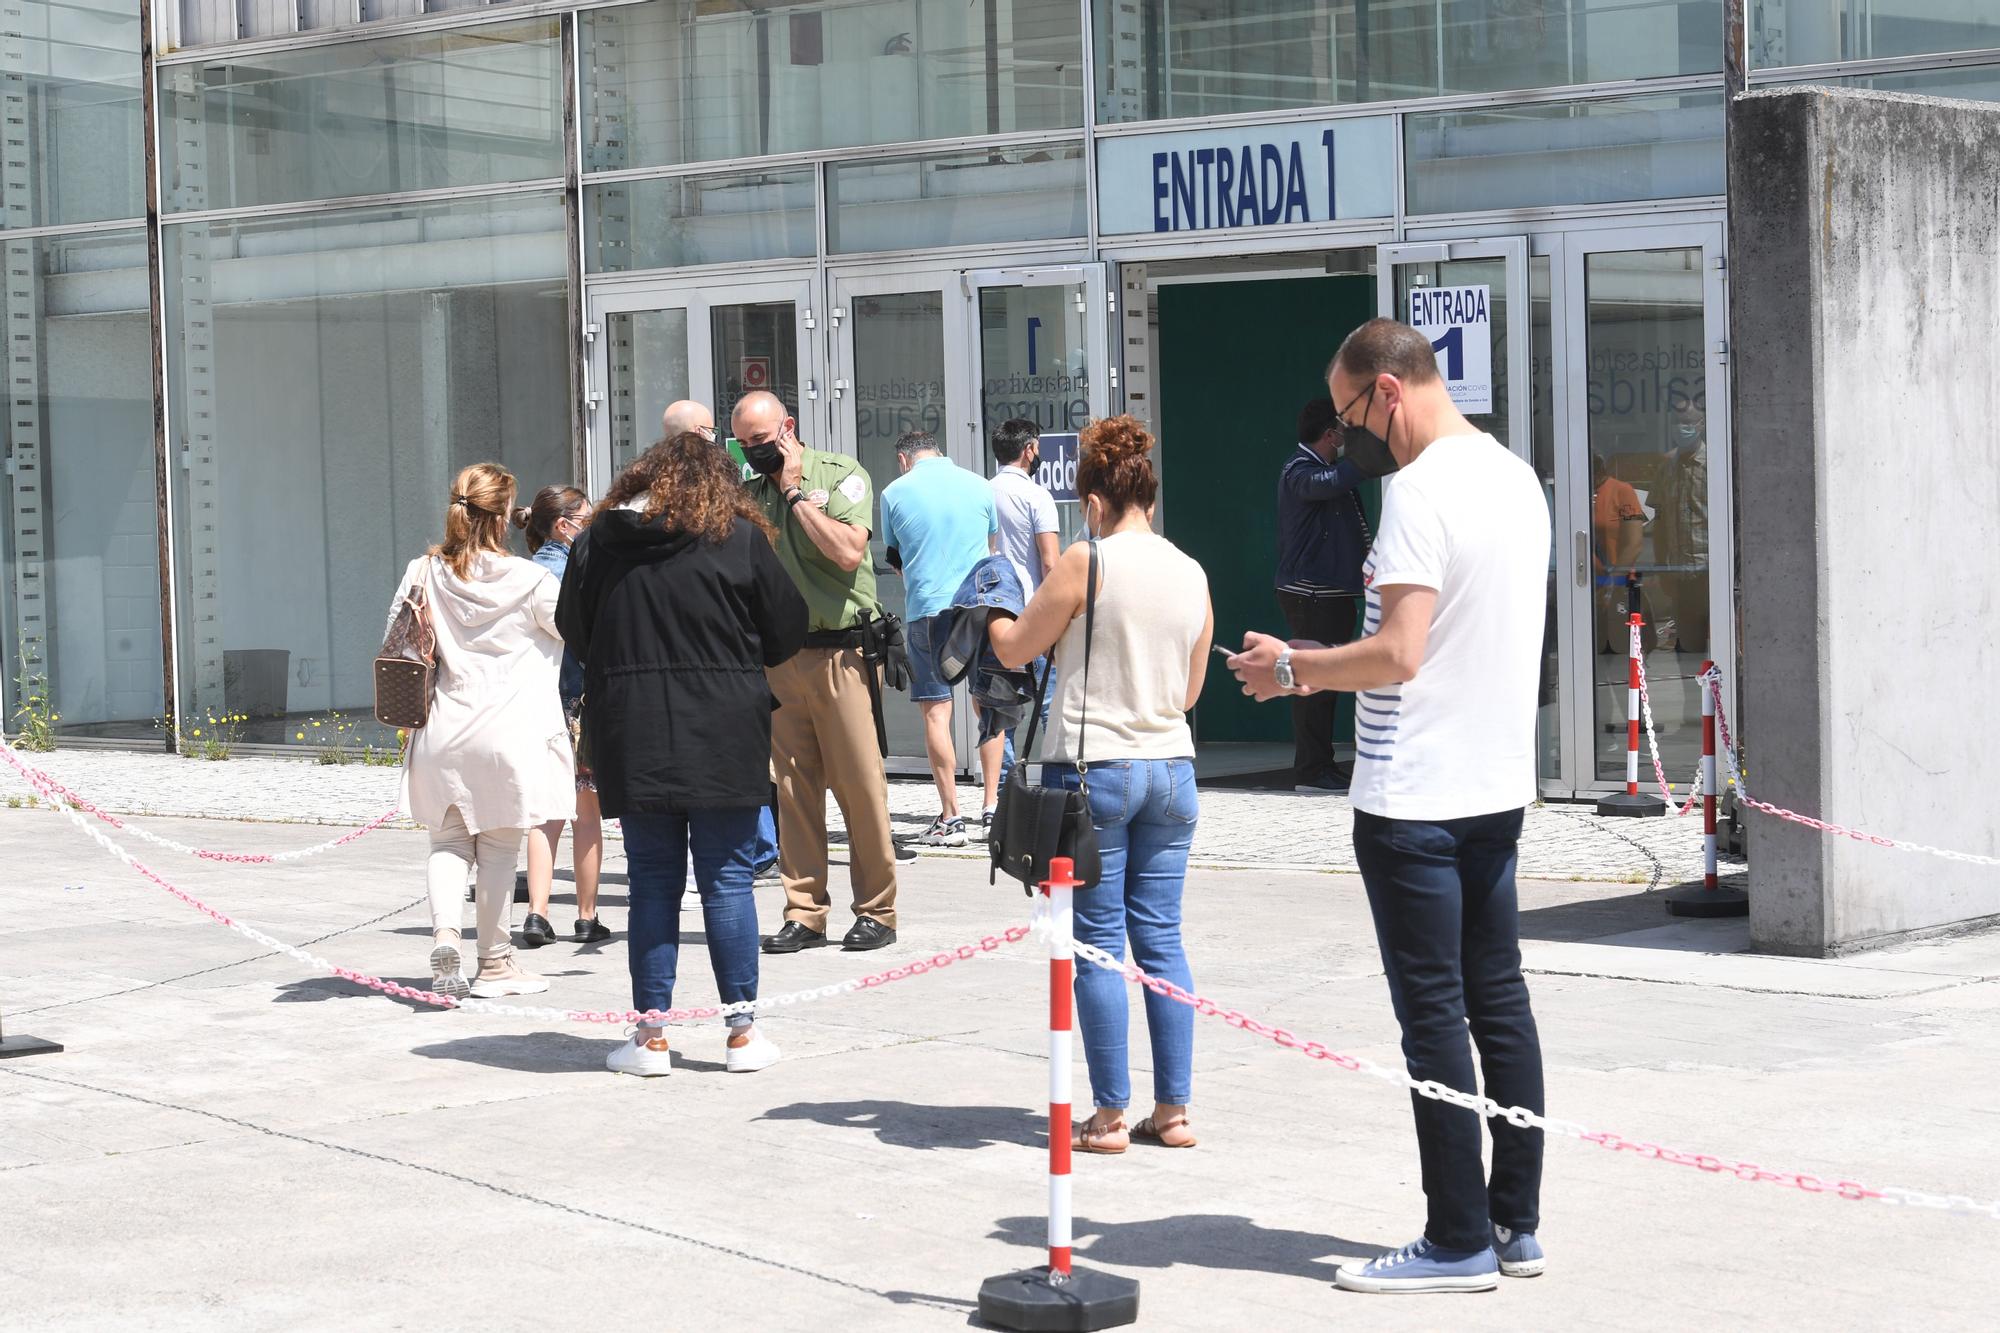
(1520, 1253)
(1422, 1266)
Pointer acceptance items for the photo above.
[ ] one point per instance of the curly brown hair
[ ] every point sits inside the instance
(1114, 466)
(695, 484)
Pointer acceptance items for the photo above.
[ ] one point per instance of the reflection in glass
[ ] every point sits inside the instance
(1225, 57)
(79, 544)
(328, 375)
(675, 81)
(1648, 431)
(1034, 363)
(421, 111)
(71, 142)
(1542, 369)
(649, 369)
(754, 347)
(1811, 32)
(1565, 153)
(699, 220)
(1031, 193)
(899, 385)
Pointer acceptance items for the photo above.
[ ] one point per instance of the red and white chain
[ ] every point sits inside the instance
(1653, 741)
(46, 783)
(986, 945)
(1519, 1116)
(1727, 753)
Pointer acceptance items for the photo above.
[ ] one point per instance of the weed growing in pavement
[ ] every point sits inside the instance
(214, 737)
(331, 737)
(35, 716)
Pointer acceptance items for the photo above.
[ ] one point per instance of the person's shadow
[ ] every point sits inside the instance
(910, 1125)
(1203, 1240)
(541, 1053)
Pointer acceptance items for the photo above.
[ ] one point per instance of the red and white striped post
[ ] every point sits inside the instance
(1061, 893)
(1059, 1297)
(1708, 878)
(1630, 803)
(1710, 899)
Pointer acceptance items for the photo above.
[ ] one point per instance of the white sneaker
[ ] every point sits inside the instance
(650, 1059)
(448, 972)
(504, 976)
(759, 1053)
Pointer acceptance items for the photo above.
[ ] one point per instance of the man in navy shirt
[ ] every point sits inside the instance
(1322, 540)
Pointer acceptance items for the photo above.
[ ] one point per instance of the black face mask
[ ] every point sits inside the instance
(767, 458)
(1363, 447)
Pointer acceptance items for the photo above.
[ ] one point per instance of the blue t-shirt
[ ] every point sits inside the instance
(941, 518)
(554, 557)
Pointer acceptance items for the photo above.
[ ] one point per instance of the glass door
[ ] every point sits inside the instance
(898, 365)
(651, 345)
(1041, 335)
(1472, 298)
(1647, 463)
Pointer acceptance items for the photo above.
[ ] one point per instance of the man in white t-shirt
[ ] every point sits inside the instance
(1446, 680)
(1028, 527)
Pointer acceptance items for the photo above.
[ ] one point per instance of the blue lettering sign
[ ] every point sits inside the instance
(1160, 222)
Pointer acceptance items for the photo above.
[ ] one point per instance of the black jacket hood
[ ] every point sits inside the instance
(638, 539)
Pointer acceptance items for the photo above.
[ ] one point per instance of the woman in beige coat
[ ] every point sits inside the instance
(494, 760)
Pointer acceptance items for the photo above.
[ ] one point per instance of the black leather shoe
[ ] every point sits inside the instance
(589, 930)
(868, 933)
(536, 931)
(793, 938)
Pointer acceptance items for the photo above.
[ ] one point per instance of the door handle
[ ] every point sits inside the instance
(839, 389)
(1583, 560)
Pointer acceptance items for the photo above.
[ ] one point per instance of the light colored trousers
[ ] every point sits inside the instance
(494, 852)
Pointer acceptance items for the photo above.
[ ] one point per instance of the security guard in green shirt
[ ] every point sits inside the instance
(824, 732)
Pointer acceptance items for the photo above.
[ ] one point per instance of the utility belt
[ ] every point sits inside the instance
(883, 658)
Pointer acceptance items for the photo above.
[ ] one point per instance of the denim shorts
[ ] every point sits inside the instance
(925, 642)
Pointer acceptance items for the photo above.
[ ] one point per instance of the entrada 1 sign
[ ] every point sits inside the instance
(1256, 185)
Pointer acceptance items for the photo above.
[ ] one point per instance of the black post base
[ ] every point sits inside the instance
(1031, 1301)
(14, 1046)
(1698, 901)
(1626, 806)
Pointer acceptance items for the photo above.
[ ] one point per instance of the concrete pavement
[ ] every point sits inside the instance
(230, 1144)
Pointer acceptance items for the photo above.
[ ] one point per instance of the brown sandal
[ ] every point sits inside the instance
(1089, 1140)
(1151, 1133)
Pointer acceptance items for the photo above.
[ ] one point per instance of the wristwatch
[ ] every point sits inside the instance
(1283, 671)
(795, 497)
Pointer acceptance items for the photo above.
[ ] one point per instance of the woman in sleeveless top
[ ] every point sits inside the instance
(1120, 731)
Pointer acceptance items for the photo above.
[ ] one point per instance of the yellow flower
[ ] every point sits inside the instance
(315, 722)
(197, 731)
(301, 736)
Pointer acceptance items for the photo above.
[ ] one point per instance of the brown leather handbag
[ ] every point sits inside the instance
(406, 668)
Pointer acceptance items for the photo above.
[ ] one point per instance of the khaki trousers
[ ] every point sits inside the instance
(823, 735)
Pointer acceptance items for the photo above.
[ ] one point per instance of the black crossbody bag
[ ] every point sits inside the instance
(1034, 824)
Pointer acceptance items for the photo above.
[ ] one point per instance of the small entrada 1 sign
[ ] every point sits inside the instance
(1459, 323)
(1057, 470)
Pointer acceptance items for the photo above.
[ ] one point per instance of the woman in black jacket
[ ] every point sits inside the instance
(677, 603)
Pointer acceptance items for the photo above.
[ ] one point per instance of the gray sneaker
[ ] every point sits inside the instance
(943, 833)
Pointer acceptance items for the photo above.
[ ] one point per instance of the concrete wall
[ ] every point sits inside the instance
(1864, 304)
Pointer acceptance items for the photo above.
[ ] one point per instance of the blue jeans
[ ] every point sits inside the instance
(1145, 812)
(767, 837)
(1448, 923)
(926, 648)
(1007, 754)
(724, 843)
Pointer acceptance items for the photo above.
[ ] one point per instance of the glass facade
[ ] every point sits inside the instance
(80, 544)
(454, 232)
(1564, 153)
(1228, 57)
(418, 112)
(72, 146)
(328, 374)
(675, 81)
(1812, 32)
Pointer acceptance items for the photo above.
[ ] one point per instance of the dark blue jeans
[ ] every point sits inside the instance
(1144, 811)
(1448, 924)
(724, 843)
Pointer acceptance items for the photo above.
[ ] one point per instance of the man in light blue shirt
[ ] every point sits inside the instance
(938, 521)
